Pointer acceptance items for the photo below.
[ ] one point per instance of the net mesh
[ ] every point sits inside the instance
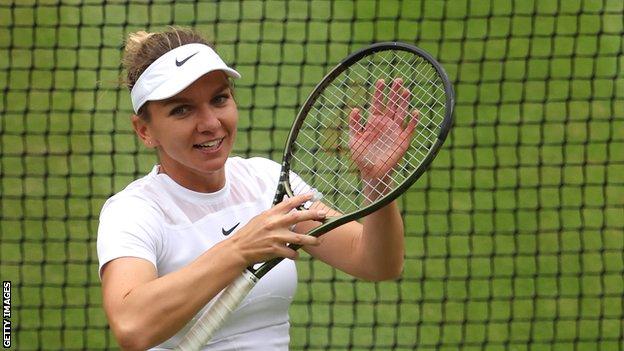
(514, 238)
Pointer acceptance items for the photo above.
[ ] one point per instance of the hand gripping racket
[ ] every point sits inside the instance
(367, 132)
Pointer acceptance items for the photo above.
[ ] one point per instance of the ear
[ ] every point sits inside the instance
(142, 130)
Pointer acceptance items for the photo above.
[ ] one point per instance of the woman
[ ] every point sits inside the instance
(172, 240)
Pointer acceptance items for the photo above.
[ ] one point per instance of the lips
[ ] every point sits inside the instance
(210, 145)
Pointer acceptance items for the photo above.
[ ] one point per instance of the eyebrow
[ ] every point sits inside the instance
(176, 99)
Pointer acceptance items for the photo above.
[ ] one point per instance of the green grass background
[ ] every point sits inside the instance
(515, 237)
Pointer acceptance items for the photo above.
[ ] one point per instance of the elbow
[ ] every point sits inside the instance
(391, 274)
(395, 273)
(130, 337)
(386, 272)
(393, 270)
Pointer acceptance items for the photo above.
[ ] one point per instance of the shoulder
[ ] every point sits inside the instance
(130, 224)
(137, 200)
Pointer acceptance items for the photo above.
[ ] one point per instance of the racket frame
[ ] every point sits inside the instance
(284, 188)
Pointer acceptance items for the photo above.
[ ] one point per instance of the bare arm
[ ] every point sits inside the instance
(145, 310)
(136, 300)
(373, 250)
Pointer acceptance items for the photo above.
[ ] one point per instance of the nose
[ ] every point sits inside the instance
(207, 120)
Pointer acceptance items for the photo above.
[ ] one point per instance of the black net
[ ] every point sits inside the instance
(515, 237)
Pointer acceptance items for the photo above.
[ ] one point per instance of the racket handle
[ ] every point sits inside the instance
(214, 317)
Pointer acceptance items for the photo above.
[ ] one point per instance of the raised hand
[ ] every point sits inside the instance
(377, 146)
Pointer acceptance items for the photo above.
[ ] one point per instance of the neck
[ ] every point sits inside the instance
(199, 182)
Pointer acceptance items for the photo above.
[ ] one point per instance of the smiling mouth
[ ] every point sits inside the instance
(213, 144)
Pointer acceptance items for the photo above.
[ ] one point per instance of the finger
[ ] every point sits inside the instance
(281, 248)
(295, 217)
(291, 203)
(355, 126)
(304, 240)
(285, 251)
(411, 125)
(402, 106)
(378, 103)
(393, 96)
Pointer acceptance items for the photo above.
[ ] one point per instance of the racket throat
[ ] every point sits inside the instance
(279, 194)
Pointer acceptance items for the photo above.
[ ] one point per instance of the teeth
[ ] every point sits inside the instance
(210, 143)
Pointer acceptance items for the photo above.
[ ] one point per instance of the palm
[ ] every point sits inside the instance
(378, 146)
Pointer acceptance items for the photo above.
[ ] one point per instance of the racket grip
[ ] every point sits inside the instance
(214, 317)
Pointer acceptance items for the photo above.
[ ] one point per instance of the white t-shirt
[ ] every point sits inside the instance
(156, 219)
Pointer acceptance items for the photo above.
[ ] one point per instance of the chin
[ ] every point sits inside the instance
(213, 165)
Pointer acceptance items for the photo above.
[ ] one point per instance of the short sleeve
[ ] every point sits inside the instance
(129, 227)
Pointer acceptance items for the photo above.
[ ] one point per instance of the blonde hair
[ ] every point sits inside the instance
(143, 48)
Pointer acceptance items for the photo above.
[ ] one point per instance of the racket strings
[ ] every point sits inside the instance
(418, 73)
(329, 188)
(337, 173)
(340, 161)
(323, 154)
(425, 112)
(421, 76)
(362, 126)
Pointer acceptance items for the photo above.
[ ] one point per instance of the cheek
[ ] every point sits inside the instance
(170, 135)
(232, 121)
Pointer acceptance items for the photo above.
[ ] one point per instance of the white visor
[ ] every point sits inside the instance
(174, 71)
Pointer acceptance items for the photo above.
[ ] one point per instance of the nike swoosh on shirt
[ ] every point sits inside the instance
(228, 232)
(180, 63)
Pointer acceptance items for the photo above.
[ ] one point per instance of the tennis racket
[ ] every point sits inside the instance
(366, 133)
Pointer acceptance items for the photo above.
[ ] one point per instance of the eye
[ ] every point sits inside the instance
(179, 111)
(221, 99)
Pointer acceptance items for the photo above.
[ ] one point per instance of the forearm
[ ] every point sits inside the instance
(152, 312)
(380, 247)
(372, 251)
(381, 244)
